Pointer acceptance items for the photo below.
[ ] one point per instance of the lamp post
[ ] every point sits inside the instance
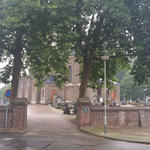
(105, 58)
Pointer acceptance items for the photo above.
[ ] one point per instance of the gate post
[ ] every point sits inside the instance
(84, 112)
(19, 113)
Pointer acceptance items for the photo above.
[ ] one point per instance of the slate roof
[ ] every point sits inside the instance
(51, 80)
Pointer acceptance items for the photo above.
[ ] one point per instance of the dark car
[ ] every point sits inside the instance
(70, 107)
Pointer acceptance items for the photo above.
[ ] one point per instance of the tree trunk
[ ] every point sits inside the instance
(17, 54)
(85, 77)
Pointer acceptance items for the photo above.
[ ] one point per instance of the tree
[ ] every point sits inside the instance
(141, 68)
(115, 28)
(51, 40)
(91, 28)
(129, 89)
(102, 28)
(99, 27)
(12, 29)
(120, 75)
(20, 22)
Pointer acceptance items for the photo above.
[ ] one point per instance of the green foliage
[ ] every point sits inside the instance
(102, 28)
(45, 37)
(13, 21)
(50, 30)
(130, 90)
(141, 68)
(120, 75)
(91, 29)
(50, 40)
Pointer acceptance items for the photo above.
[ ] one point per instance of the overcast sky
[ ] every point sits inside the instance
(2, 65)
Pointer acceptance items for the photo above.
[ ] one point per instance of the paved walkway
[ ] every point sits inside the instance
(50, 129)
(46, 118)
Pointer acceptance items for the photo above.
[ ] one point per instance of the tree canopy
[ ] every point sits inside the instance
(45, 33)
(141, 68)
(108, 28)
(13, 29)
(26, 29)
(50, 40)
(96, 28)
(129, 90)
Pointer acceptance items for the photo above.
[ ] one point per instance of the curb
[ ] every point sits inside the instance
(115, 139)
(12, 131)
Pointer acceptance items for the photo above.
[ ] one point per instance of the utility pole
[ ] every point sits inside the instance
(105, 58)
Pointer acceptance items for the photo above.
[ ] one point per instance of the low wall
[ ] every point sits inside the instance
(121, 116)
(17, 115)
(116, 116)
(3, 117)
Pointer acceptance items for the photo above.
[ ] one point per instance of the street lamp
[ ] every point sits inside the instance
(105, 58)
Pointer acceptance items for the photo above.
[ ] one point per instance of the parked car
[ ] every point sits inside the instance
(95, 103)
(70, 107)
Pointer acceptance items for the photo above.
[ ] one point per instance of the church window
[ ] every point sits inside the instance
(70, 74)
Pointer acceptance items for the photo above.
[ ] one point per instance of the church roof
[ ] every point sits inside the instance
(51, 80)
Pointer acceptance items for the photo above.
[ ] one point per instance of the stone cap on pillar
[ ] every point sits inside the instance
(84, 100)
(20, 101)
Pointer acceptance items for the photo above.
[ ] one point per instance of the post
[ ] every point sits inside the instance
(105, 58)
(84, 112)
(6, 114)
(105, 117)
(19, 111)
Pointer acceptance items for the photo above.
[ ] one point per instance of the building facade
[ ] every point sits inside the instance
(69, 91)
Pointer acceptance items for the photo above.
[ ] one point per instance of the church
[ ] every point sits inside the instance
(69, 91)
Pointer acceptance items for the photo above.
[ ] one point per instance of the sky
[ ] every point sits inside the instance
(1, 85)
(2, 65)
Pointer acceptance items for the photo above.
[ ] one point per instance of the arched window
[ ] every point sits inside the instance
(70, 74)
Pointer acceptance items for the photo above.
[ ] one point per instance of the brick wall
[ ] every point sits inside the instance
(97, 117)
(116, 116)
(3, 117)
(17, 115)
(121, 116)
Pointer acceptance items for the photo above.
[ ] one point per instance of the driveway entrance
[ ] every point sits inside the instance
(44, 117)
(50, 129)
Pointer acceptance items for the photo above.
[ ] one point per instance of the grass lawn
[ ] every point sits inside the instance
(123, 133)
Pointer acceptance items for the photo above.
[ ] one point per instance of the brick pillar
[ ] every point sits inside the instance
(84, 112)
(19, 112)
(143, 121)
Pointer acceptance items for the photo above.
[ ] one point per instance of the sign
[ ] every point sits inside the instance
(8, 93)
(85, 109)
(105, 57)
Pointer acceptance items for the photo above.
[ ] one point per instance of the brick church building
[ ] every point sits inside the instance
(69, 91)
